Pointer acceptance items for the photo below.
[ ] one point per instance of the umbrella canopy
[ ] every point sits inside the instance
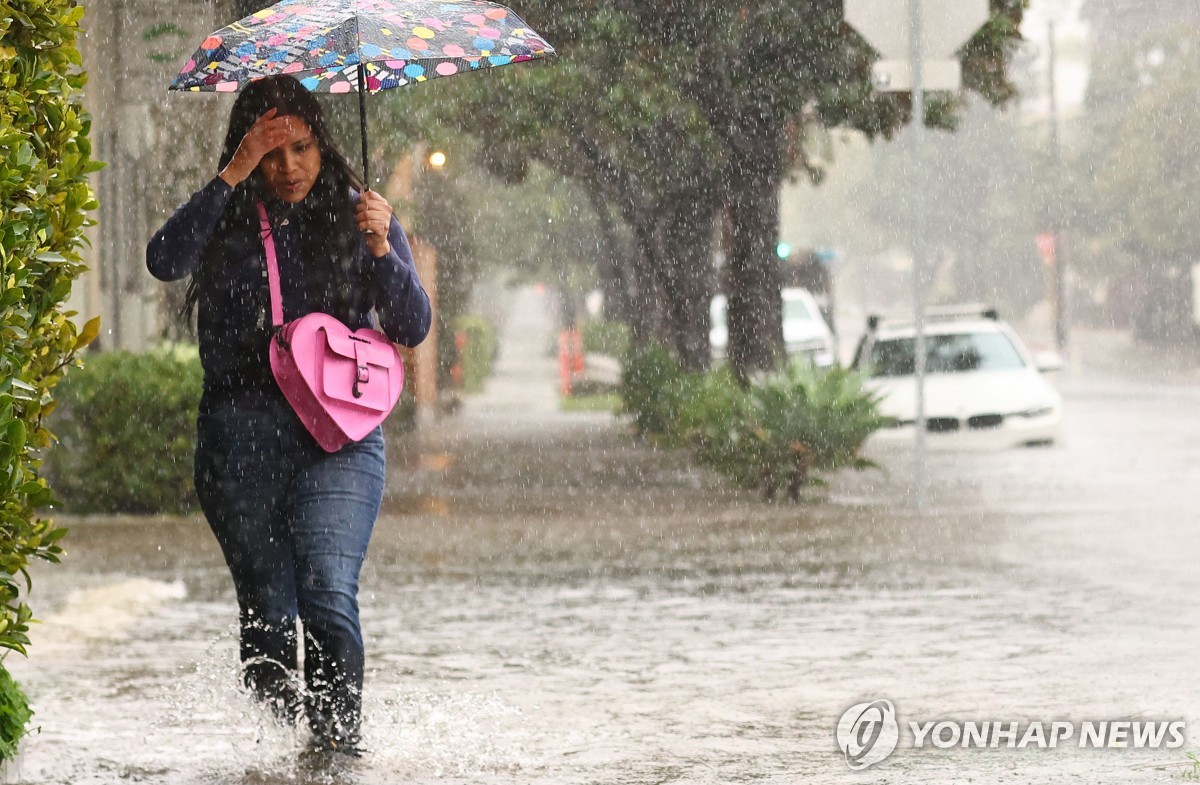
(323, 42)
(334, 46)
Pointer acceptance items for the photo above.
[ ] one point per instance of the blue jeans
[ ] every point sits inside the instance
(293, 522)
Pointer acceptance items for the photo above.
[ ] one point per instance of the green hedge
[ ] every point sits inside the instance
(45, 158)
(654, 389)
(777, 434)
(14, 714)
(479, 354)
(44, 163)
(127, 433)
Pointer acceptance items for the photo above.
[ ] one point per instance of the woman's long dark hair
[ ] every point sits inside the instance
(328, 230)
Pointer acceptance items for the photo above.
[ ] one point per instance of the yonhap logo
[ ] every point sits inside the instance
(867, 733)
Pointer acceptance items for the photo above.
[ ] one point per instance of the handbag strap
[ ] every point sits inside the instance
(272, 266)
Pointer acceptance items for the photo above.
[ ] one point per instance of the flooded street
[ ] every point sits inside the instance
(548, 600)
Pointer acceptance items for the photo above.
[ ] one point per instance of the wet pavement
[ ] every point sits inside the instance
(548, 600)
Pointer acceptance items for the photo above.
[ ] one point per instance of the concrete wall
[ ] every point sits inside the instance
(159, 148)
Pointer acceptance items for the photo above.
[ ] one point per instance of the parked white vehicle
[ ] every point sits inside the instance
(805, 332)
(982, 385)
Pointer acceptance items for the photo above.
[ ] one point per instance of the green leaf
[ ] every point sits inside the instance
(90, 330)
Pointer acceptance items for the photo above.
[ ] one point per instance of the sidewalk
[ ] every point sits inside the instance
(524, 383)
(520, 398)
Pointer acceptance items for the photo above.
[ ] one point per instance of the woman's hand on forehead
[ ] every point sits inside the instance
(296, 130)
(286, 129)
(269, 132)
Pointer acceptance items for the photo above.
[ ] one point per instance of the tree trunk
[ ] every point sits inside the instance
(755, 311)
(647, 311)
(616, 281)
(688, 279)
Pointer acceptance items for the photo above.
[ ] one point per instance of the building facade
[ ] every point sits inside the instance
(158, 147)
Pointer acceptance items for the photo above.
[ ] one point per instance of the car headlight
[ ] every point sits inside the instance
(1039, 411)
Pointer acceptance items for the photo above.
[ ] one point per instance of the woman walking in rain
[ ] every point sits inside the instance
(292, 520)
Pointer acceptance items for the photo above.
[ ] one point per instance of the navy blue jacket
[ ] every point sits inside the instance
(233, 318)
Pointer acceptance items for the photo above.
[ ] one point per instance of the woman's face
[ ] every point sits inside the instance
(292, 168)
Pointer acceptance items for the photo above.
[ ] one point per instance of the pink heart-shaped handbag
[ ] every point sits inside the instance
(342, 383)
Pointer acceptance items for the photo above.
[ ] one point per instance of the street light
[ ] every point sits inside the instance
(437, 159)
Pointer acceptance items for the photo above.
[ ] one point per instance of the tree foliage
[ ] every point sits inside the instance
(45, 158)
(1141, 157)
(682, 119)
(983, 189)
(1143, 151)
(675, 113)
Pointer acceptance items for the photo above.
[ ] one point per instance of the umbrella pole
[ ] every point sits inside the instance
(362, 118)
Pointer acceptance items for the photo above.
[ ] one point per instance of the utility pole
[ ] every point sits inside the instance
(923, 60)
(1056, 222)
(917, 55)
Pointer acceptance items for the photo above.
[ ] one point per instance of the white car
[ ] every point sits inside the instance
(805, 333)
(982, 384)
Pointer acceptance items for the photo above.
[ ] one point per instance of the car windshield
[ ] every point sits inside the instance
(795, 310)
(959, 353)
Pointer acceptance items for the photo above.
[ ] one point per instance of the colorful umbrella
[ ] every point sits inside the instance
(335, 46)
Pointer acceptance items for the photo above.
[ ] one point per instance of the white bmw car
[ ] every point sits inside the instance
(982, 385)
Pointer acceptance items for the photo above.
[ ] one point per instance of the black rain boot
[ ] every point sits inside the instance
(276, 687)
(334, 722)
(333, 671)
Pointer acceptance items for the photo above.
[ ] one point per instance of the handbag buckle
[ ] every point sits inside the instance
(361, 377)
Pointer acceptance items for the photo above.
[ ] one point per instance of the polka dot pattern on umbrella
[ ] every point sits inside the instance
(399, 42)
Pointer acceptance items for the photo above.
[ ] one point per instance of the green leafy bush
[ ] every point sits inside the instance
(712, 422)
(479, 351)
(799, 422)
(14, 714)
(45, 158)
(601, 337)
(654, 389)
(127, 433)
(775, 435)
